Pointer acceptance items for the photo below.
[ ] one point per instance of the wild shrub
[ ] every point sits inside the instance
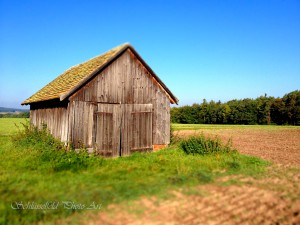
(204, 145)
(41, 138)
(51, 151)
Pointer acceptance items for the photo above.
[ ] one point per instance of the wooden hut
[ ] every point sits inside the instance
(113, 103)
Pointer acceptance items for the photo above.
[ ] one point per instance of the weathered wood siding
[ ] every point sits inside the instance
(141, 133)
(125, 82)
(81, 123)
(56, 120)
(111, 129)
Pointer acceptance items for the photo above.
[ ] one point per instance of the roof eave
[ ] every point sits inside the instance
(32, 102)
(173, 98)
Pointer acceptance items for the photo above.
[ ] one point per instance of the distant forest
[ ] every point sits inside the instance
(262, 110)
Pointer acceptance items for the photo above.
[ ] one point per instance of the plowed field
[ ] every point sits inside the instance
(280, 145)
(273, 199)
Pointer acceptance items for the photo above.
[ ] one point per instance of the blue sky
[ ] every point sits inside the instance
(217, 50)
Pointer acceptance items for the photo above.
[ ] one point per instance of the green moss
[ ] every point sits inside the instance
(71, 77)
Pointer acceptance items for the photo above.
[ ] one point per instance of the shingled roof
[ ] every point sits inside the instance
(69, 81)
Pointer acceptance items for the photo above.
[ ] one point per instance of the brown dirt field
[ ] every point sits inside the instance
(279, 145)
(274, 199)
(271, 200)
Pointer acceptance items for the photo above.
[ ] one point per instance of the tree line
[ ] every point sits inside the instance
(262, 110)
(15, 115)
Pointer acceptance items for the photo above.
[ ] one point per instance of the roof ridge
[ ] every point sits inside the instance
(119, 46)
(125, 44)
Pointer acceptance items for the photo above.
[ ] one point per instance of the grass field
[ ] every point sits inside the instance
(9, 126)
(119, 190)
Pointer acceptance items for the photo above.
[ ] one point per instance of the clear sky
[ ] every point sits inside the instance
(217, 50)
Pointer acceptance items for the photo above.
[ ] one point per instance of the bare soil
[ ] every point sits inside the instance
(274, 199)
(281, 146)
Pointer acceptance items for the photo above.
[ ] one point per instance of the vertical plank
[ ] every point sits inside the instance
(108, 129)
(141, 127)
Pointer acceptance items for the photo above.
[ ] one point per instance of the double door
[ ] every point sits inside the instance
(120, 129)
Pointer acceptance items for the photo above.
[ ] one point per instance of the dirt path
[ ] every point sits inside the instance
(280, 145)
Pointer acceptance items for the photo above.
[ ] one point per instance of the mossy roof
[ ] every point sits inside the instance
(67, 82)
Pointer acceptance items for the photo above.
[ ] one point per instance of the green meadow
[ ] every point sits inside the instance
(9, 126)
(35, 169)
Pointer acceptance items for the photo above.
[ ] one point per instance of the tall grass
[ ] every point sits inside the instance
(35, 167)
(52, 151)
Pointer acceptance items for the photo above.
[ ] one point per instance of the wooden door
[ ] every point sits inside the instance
(81, 120)
(107, 129)
(121, 129)
(137, 128)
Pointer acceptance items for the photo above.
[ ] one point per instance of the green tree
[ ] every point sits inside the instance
(278, 112)
(292, 104)
(262, 110)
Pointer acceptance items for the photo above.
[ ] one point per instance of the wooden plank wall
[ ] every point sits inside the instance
(56, 120)
(126, 81)
(136, 127)
(108, 125)
(107, 131)
(81, 120)
(140, 128)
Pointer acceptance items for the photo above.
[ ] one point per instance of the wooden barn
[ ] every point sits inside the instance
(113, 103)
